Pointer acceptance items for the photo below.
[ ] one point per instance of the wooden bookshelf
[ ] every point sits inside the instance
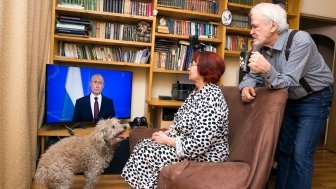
(219, 42)
(293, 16)
(156, 74)
(157, 80)
(95, 16)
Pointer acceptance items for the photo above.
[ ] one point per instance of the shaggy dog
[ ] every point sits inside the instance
(90, 155)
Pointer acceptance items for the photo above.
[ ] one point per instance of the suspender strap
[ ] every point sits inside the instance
(302, 81)
(289, 43)
(305, 85)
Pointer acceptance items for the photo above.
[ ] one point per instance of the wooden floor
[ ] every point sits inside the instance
(106, 182)
(324, 175)
(324, 170)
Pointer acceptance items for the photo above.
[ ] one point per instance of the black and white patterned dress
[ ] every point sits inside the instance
(201, 132)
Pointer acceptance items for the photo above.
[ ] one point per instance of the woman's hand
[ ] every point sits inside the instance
(161, 138)
(167, 131)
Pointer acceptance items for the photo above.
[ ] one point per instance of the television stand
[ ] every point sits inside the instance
(82, 125)
(61, 131)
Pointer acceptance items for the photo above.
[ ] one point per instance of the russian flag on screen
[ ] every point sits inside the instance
(74, 90)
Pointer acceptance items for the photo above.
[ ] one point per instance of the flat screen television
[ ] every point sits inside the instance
(65, 84)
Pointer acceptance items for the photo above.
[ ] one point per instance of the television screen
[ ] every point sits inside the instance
(65, 84)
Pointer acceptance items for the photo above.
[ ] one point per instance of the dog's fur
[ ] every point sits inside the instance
(88, 154)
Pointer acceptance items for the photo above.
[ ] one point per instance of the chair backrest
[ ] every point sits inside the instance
(253, 130)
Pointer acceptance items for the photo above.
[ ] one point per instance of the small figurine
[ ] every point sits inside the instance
(143, 32)
(162, 26)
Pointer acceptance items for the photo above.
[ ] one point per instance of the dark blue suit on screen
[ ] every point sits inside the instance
(83, 112)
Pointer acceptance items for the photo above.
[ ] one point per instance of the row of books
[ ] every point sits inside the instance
(104, 53)
(104, 30)
(130, 7)
(283, 3)
(250, 2)
(243, 2)
(240, 21)
(115, 31)
(238, 43)
(171, 55)
(71, 1)
(208, 47)
(78, 4)
(193, 5)
(72, 25)
(178, 58)
(138, 8)
(188, 28)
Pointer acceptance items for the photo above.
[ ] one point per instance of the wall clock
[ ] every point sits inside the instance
(226, 17)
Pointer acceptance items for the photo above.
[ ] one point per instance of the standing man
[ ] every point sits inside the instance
(94, 106)
(309, 83)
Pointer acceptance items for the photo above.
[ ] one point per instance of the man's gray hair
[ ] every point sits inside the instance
(272, 12)
(99, 75)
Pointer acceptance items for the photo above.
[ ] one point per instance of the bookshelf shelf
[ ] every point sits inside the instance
(61, 59)
(231, 53)
(170, 36)
(181, 37)
(237, 30)
(169, 71)
(291, 15)
(237, 7)
(188, 15)
(164, 103)
(100, 15)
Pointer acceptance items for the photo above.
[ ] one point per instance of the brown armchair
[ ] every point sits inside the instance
(253, 134)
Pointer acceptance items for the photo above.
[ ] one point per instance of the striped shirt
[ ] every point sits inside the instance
(304, 61)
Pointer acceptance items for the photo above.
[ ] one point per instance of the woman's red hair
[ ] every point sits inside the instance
(210, 65)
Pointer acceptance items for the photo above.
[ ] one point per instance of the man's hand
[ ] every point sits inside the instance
(258, 64)
(248, 94)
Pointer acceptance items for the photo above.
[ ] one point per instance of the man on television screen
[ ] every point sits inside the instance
(95, 106)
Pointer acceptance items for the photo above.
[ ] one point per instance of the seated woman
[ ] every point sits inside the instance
(199, 131)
